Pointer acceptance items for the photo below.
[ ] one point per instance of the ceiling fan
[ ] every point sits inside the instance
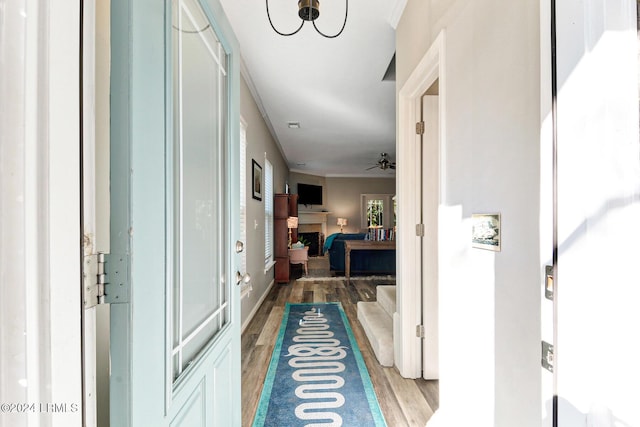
(383, 163)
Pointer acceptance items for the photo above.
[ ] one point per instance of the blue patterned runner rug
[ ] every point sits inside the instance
(317, 376)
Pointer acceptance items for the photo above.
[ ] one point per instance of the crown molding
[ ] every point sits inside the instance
(244, 72)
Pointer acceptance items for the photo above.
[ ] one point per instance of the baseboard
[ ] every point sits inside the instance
(257, 306)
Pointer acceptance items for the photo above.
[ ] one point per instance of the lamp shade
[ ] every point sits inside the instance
(292, 222)
(342, 221)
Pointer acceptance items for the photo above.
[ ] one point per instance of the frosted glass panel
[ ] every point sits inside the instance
(199, 99)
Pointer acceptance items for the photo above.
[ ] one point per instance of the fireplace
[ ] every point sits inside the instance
(315, 242)
(313, 227)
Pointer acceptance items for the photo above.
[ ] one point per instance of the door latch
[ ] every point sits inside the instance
(547, 359)
(549, 283)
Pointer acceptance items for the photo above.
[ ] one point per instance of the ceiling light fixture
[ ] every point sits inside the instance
(309, 10)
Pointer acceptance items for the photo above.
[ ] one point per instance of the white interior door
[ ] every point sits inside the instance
(430, 203)
(175, 346)
(598, 182)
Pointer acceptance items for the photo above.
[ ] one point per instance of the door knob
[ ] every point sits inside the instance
(239, 246)
(242, 279)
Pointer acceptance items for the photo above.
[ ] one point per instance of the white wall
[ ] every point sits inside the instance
(489, 302)
(498, 159)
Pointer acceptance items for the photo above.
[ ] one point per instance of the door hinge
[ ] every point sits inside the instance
(547, 359)
(420, 128)
(104, 279)
(420, 230)
(420, 331)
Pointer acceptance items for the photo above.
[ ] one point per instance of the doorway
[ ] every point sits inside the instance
(420, 190)
(430, 196)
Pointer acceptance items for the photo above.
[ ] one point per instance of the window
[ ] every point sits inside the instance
(199, 301)
(268, 212)
(395, 210)
(243, 200)
(377, 211)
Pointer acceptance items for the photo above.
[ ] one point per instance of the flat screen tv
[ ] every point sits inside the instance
(309, 194)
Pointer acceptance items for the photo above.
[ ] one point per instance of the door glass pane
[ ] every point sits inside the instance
(199, 306)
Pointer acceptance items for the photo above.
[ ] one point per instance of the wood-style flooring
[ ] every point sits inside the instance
(404, 402)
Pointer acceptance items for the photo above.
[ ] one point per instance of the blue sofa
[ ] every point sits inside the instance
(362, 261)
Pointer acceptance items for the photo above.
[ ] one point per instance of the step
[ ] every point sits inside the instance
(378, 326)
(386, 296)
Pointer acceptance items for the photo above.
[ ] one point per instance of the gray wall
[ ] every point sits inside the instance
(259, 142)
(341, 196)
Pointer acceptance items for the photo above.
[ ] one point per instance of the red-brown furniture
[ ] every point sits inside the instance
(285, 205)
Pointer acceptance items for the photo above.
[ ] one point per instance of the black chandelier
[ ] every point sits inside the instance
(309, 10)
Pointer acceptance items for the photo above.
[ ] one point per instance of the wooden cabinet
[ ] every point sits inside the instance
(285, 205)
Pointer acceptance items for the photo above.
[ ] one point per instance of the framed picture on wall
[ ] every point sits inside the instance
(256, 176)
(485, 231)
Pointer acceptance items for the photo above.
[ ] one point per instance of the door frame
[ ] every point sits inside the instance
(432, 67)
(548, 206)
(431, 197)
(41, 349)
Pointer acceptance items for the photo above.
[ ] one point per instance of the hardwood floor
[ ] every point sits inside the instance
(404, 402)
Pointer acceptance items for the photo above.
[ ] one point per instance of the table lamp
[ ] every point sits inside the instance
(292, 222)
(342, 222)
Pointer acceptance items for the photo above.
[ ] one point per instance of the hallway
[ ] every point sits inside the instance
(404, 402)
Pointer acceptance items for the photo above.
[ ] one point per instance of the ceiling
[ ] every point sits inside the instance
(333, 88)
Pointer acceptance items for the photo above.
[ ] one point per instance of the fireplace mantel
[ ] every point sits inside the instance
(314, 217)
